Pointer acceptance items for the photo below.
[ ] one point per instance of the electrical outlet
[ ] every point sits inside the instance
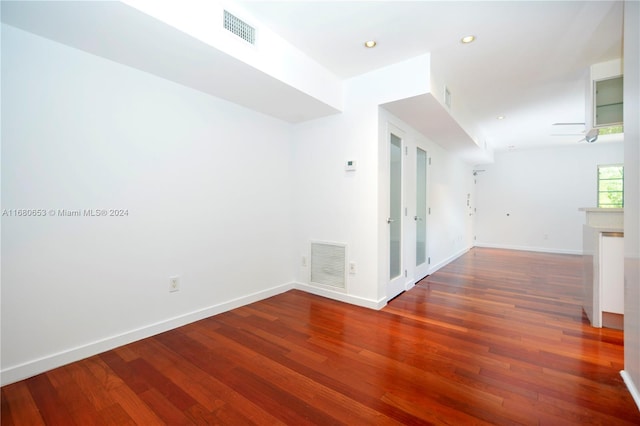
(174, 284)
(304, 260)
(352, 267)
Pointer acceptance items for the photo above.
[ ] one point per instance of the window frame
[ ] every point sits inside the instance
(599, 192)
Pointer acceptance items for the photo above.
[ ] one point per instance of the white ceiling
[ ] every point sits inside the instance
(529, 62)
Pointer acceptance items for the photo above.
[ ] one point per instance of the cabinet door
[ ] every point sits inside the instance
(608, 102)
(612, 273)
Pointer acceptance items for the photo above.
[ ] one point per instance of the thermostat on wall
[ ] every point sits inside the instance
(350, 165)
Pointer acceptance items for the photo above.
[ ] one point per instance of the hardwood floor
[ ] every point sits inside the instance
(496, 337)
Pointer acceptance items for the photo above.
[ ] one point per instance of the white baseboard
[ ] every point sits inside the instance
(342, 297)
(527, 248)
(448, 260)
(31, 368)
(633, 390)
(409, 285)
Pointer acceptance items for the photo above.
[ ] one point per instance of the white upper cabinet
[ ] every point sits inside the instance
(608, 102)
(604, 103)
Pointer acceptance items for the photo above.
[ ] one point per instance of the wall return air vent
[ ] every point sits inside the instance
(328, 264)
(240, 28)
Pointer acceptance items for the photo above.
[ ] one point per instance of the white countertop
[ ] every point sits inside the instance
(601, 210)
(611, 219)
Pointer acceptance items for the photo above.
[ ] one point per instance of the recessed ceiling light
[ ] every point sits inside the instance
(500, 117)
(370, 43)
(468, 39)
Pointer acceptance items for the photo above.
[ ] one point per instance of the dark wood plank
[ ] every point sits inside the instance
(18, 406)
(49, 403)
(495, 337)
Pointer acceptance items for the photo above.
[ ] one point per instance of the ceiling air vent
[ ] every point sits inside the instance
(240, 28)
(447, 97)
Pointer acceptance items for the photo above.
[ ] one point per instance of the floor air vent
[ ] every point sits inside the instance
(240, 28)
(328, 264)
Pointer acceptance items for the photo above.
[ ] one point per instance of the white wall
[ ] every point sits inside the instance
(529, 199)
(331, 204)
(206, 184)
(451, 224)
(632, 197)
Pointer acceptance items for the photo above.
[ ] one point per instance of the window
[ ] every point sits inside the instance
(611, 130)
(611, 186)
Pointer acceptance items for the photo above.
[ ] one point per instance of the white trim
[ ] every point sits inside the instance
(448, 260)
(31, 368)
(394, 129)
(633, 390)
(342, 297)
(410, 284)
(527, 248)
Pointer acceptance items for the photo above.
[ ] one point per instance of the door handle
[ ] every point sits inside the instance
(416, 218)
(389, 220)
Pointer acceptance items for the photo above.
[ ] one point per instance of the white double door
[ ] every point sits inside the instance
(408, 211)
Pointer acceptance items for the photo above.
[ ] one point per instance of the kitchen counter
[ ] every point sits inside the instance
(603, 253)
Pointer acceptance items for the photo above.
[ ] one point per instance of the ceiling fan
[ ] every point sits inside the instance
(590, 137)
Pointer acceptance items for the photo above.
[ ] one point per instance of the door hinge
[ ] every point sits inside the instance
(429, 160)
(405, 211)
(429, 210)
(428, 261)
(405, 273)
(406, 150)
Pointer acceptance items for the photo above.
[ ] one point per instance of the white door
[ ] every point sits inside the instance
(408, 211)
(394, 220)
(420, 217)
